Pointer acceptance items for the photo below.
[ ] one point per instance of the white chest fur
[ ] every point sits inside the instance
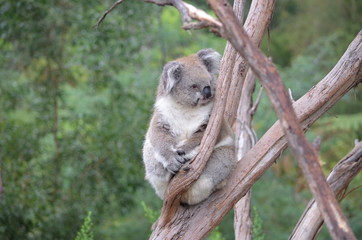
(183, 121)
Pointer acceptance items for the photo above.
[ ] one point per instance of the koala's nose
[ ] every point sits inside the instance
(207, 92)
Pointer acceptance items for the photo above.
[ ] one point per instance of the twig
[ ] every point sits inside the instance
(257, 101)
(345, 194)
(291, 95)
(317, 144)
(106, 13)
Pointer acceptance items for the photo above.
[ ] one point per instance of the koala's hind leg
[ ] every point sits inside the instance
(218, 168)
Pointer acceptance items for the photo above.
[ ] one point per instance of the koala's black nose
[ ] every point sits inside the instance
(206, 92)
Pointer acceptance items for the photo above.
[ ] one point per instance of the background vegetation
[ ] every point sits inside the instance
(75, 103)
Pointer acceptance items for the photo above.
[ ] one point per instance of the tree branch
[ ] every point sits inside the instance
(342, 174)
(187, 12)
(307, 158)
(245, 139)
(107, 12)
(260, 15)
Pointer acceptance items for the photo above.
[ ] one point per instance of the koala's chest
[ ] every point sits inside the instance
(183, 126)
(185, 122)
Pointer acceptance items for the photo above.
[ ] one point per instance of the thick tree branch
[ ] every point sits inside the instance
(307, 158)
(342, 174)
(186, 220)
(256, 23)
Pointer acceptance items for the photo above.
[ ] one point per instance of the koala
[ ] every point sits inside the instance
(182, 109)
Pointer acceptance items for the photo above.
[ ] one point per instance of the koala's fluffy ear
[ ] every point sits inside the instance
(211, 59)
(171, 75)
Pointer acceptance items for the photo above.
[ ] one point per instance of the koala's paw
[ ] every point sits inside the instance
(179, 159)
(187, 153)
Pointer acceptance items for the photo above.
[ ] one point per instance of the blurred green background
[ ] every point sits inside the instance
(75, 102)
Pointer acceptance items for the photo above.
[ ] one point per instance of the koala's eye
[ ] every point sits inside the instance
(194, 86)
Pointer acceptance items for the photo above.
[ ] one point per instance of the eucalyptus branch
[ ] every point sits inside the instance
(107, 12)
(187, 12)
(257, 101)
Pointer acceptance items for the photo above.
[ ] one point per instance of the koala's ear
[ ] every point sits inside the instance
(171, 75)
(211, 59)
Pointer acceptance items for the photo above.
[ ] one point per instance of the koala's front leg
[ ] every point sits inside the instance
(191, 146)
(165, 147)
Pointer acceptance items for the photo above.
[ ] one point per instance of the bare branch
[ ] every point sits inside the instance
(291, 95)
(257, 101)
(342, 174)
(243, 224)
(302, 149)
(202, 16)
(107, 12)
(245, 139)
(187, 12)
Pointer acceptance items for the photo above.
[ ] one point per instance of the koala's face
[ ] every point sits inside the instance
(191, 80)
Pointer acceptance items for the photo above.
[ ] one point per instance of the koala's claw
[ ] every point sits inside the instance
(182, 159)
(174, 168)
(179, 160)
(180, 152)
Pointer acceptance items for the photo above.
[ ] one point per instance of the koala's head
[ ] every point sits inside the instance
(191, 80)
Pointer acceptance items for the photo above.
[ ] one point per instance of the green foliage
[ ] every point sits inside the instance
(150, 214)
(216, 235)
(296, 25)
(257, 225)
(86, 232)
(351, 122)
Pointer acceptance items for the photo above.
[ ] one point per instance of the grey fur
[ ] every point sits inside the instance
(183, 105)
